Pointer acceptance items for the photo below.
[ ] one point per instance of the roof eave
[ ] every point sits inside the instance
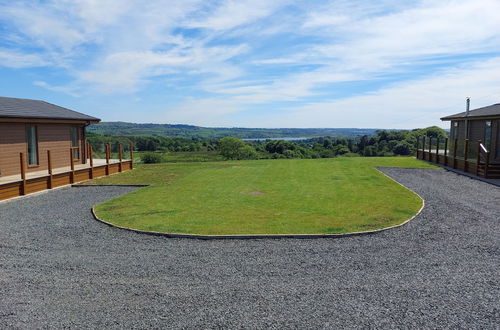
(470, 117)
(88, 120)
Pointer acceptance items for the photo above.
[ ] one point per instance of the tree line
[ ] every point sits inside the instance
(382, 143)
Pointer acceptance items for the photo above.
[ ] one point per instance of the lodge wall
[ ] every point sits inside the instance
(53, 137)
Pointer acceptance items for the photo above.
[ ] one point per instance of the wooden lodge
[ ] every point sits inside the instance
(43, 146)
(473, 146)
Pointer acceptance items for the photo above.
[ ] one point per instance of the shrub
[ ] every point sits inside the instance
(351, 154)
(402, 148)
(151, 158)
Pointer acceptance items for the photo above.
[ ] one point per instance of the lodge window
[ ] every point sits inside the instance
(455, 130)
(487, 134)
(32, 143)
(75, 137)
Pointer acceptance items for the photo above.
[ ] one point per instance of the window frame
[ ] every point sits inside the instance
(488, 128)
(455, 129)
(78, 136)
(27, 129)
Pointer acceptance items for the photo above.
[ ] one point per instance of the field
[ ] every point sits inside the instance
(296, 196)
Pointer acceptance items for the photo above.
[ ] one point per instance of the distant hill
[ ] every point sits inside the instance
(189, 131)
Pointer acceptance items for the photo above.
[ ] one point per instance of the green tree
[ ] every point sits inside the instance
(233, 148)
(403, 148)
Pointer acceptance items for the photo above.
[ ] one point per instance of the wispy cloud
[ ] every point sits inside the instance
(13, 59)
(225, 61)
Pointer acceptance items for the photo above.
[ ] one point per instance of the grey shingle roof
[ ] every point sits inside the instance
(489, 111)
(34, 109)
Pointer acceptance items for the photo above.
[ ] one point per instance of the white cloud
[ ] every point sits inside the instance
(255, 53)
(233, 13)
(429, 30)
(409, 104)
(20, 60)
(70, 90)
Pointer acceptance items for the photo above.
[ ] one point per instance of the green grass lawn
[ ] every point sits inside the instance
(296, 196)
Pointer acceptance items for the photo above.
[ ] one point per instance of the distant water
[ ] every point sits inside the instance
(279, 138)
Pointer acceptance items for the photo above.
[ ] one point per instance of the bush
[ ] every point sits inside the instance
(351, 154)
(151, 158)
(402, 148)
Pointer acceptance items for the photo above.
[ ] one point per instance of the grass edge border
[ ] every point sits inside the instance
(263, 236)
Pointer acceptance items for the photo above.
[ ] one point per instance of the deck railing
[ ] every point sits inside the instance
(74, 174)
(464, 155)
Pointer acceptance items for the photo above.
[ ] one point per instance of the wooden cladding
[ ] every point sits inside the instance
(54, 137)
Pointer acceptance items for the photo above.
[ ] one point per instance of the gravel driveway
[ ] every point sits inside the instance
(60, 268)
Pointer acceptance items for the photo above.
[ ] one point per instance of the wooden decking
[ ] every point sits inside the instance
(14, 185)
(469, 158)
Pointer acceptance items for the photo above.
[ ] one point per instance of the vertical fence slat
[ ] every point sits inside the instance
(91, 161)
(430, 149)
(423, 147)
(120, 156)
(466, 155)
(131, 156)
(446, 152)
(478, 156)
(437, 151)
(72, 165)
(22, 160)
(49, 165)
(455, 144)
(107, 159)
(486, 164)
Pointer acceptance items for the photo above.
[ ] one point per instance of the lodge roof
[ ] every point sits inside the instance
(35, 109)
(489, 111)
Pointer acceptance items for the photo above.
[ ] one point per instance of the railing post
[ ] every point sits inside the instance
(49, 164)
(23, 173)
(446, 152)
(423, 147)
(455, 153)
(91, 161)
(437, 150)
(131, 156)
(478, 158)
(107, 158)
(486, 164)
(72, 164)
(417, 143)
(120, 156)
(466, 155)
(430, 149)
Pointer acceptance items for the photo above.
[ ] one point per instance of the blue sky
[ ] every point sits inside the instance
(254, 63)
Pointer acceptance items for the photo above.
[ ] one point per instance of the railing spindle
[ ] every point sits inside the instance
(131, 156)
(49, 164)
(72, 166)
(478, 158)
(466, 155)
(437, 150)
(446, 152)
(455, 144)
(107, 158)
(91, 160)
(23, 172)
(120, 156)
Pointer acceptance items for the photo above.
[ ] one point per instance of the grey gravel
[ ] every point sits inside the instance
(60, 268)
